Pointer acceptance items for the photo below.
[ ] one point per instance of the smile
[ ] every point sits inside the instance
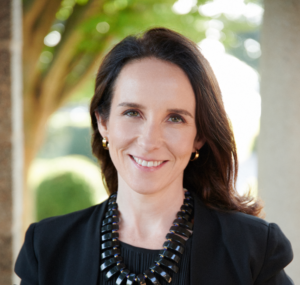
(145, 163)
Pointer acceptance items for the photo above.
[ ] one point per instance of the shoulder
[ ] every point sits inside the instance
(250, 229)
(246, 224)
(66, 229)
(231, 224)
(59, 243)
(69, 221)
(262, 242)
(237, 224)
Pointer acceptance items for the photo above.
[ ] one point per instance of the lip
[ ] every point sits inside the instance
(147, 159)
(145, 168)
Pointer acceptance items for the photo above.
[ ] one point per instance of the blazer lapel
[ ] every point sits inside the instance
(203, 241)
(92, 246)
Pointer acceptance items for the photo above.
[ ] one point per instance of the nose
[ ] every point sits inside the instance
(151, 136)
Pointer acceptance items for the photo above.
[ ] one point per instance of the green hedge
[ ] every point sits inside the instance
(62, 194)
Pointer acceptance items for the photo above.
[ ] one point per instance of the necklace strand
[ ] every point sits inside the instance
(168, 256)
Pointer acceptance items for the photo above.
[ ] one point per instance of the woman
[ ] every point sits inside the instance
(168, 159)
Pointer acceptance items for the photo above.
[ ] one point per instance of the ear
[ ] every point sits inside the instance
(102, 126)
(199, 143)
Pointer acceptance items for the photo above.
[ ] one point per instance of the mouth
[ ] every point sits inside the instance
(148, 164)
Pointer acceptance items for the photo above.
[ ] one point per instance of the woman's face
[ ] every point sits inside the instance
(151, 128)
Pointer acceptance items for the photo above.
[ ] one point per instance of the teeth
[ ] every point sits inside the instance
(147, 163)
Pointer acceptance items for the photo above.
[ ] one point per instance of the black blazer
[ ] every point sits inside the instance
(227, 249)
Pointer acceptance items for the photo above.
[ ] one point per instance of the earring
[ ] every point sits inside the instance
(105, 144)
(196, 156)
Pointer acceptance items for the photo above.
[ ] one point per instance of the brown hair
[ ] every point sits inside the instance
(212, 176)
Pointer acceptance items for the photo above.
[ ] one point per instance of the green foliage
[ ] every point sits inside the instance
(62, 194)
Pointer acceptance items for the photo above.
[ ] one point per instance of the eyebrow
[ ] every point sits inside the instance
(180, 111)
(139, 106)
(129, 104)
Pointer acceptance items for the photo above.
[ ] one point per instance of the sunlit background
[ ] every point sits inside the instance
(227, 33)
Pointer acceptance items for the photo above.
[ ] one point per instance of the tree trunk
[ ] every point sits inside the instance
(278, 148)
(45, 92)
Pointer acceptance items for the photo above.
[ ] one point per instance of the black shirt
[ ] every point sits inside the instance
(137, 260)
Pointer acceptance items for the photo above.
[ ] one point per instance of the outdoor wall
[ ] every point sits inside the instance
(279, 141)
(5, 146)
(11, 179)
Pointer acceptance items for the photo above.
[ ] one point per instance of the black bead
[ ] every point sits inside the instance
(186, 209)
(161, 272)
(112, 213)
(176, 238)
(109, 244)
(109, 236)
(112, 207)
(184, 216)
(110, 262)
(174, 246)
(141, 279)
(110, 221)
(109, 228)
(114, 270)
(170, 255)
(112, 201)
(167, 258)
(130, 279)
(167, 263)
(122, 276)
(114, 195)
(183, 223)
(181, 231)
(188, 194)
(189, 198)
(189, 203)
(151, 277)
(110, 252)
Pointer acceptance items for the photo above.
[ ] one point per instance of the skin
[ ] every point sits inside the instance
(145, 122)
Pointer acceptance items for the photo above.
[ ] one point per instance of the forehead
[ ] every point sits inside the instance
(154, 79)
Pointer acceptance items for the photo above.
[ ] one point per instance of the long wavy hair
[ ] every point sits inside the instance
(212, 177)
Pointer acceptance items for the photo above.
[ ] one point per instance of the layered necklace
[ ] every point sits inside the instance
(168, 257)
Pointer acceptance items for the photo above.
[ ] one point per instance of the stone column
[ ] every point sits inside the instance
(11, 142)
(279, 140)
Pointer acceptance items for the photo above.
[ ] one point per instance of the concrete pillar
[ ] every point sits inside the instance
(279, 140)
(11, 142)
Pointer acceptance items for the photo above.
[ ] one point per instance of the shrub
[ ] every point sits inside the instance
(62, 194)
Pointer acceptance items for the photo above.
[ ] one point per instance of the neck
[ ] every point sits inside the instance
(145, 219)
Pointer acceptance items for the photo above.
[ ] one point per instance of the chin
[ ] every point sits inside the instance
(141, 189)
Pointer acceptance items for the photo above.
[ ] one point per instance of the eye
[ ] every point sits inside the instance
(131, 113)
(176, 119)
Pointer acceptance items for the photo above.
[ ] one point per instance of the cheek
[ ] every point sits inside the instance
(180, 141)
(122, 133)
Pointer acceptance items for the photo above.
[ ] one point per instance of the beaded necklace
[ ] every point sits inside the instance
(168, 256)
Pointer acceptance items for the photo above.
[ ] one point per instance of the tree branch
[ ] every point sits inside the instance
(30, 15)
(34, 41)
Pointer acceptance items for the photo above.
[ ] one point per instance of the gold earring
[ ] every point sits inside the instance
(196, 156)
(105, 144)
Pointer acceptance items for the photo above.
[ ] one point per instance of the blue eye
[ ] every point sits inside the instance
(176, 119)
